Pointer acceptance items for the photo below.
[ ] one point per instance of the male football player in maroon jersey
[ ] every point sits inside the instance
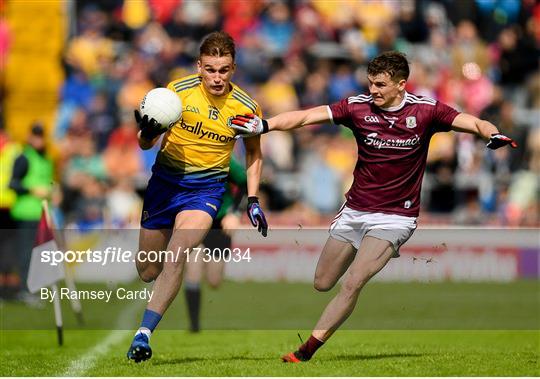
(392, 129)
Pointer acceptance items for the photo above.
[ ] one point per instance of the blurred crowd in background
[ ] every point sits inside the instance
(480, 56)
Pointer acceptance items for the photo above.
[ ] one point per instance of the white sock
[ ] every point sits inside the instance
(144, 331)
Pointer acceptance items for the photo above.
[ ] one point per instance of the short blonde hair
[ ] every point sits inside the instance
(217, 44)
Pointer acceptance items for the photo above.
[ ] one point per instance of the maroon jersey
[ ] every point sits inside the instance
(392, 150)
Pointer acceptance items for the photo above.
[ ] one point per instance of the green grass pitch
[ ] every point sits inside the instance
(398, 329)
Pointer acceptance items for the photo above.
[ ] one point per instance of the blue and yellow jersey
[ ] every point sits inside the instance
(197, 150)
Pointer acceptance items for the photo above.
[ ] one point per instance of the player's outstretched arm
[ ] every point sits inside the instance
(251, 125)
(253, 171)
(467, 123)
(297, 119)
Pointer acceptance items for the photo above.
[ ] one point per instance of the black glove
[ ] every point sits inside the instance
(256, 215)
(150, 129)
(499, 140)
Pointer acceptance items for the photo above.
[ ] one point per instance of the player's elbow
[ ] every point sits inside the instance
(145, 145)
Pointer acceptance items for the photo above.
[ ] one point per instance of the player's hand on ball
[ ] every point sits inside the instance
(249, 125)
(499, 140)
(150, 128)
(256, 215)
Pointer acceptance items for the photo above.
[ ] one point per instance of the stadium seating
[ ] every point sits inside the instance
(33, 72)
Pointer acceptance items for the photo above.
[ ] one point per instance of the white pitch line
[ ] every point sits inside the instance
(80, 366)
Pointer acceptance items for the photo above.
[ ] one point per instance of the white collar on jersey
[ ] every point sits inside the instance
(397, 107)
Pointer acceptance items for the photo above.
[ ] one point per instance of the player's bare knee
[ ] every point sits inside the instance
(323, 285)
(355, 281)
(147, 278)
(214, 283)
(148, 271)
(350, 288)
(148, 275)
(214, 280)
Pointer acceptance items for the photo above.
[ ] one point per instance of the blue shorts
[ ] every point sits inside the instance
(164, 200)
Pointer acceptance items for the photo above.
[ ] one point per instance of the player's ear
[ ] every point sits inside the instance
(199, 66)
(401, 84)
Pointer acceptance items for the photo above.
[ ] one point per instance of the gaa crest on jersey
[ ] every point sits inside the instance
(410, 122)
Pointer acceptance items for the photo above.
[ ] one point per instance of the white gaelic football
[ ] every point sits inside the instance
(163, 105)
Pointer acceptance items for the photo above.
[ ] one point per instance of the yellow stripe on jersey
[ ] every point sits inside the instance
(197, 149)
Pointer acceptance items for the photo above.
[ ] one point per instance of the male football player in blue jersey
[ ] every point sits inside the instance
(392, 129)
(188, 179)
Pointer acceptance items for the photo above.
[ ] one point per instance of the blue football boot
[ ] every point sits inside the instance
(140, 349)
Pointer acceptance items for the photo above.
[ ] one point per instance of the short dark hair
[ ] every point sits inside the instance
(217, 44)
(37, 129)
(393, 63)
